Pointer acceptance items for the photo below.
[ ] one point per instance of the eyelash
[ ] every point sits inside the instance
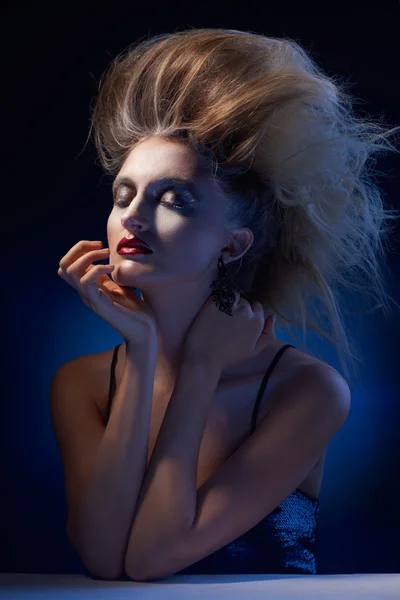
(180, 206)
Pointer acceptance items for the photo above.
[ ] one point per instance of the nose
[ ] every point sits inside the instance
(134, 221)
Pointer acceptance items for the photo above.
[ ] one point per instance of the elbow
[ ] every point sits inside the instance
(104, 567)
(101, 571)
(146, 572)
(134, 575)
(130, 567)
(106, 574)
(131, 572)
(97, 570)
(134, 572)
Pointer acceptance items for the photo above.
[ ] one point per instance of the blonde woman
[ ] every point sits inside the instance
(198, 444)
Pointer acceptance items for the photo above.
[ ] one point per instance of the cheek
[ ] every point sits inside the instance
(196, 249)
(112, 227)
(193, 241)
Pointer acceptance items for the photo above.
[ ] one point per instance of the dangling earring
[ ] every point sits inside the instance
(223, 294)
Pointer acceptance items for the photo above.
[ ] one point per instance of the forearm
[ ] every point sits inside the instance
(167, 502)
(112, 491)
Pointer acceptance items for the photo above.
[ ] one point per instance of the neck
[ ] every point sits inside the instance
(174, 314)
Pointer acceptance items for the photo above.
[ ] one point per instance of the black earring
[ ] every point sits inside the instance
(223, 294)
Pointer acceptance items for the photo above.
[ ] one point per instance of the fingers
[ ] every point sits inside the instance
(81, 265)
(78, 261)
(76, 251)
(90, 280)
(76, 268)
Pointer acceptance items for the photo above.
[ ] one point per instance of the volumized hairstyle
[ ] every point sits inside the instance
(294, 162)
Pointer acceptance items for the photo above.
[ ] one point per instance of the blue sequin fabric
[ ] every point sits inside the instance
(285, 541)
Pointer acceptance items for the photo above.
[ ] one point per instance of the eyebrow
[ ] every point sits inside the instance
(179, 181)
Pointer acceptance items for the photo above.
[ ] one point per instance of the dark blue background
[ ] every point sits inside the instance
(53, 195)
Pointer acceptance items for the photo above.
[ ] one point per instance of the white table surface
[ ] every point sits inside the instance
(380, 586)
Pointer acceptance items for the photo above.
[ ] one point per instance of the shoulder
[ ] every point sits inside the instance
(93, 372)
(306, 367)
(320, 385)
(306, 376)
(316, 374)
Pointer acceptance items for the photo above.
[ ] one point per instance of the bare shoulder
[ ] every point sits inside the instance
(93, 370)
(292, 362)
(308, 366)
(319, 376)
(302, 361)
(305, 372)
(298, 366)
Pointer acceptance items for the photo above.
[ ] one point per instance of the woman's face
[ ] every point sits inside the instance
(182, 223)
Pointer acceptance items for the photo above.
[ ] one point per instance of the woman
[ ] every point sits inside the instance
(227, 145)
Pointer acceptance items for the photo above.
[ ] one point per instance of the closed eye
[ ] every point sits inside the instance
(118, 201)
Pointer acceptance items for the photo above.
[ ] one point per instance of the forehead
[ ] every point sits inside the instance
(158, 156)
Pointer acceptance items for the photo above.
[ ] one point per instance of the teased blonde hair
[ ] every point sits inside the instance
(294, 162)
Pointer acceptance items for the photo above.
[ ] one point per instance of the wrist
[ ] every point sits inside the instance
(146, 348)
(201, 362)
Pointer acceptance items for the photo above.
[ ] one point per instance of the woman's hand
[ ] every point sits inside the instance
(226, 340)
(123, 309)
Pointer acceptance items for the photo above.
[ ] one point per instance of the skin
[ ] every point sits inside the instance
(174, 280)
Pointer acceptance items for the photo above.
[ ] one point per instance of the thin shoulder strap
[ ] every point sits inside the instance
(111, 389)
(267, 375)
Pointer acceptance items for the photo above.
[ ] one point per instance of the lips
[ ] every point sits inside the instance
(133, 251)
(133, 243)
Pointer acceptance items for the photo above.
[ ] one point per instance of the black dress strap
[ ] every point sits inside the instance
(111, 389)
(267, 375)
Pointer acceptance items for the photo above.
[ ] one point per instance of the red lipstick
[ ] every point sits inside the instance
(133, 246)
(133, 251)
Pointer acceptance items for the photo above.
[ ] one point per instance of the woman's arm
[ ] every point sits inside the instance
(168, 498)
(102, 523)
